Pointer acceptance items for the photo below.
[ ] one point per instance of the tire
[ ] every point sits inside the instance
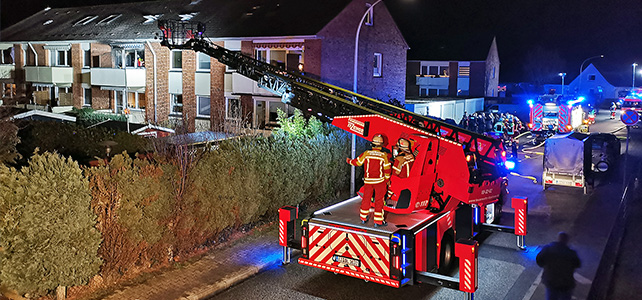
(447, 259)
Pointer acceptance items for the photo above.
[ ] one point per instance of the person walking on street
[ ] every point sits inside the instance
(559, 263)
(376, 175)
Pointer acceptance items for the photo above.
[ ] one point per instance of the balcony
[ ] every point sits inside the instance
(433, 82)
(244, 85)
(6, 71)
(52, 75)
(134, 77)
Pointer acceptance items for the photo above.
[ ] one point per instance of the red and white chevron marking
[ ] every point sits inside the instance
(282, 240)
(538, 114)
(467, 276)
(520, 222)
(372, 252)
(564, 118)
(344, 271)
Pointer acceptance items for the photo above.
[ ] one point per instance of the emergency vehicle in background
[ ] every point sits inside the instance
(633, 101)
(551, 114)
(456, 187)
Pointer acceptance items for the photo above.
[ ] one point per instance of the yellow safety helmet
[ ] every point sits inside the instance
(377, 140)
(403, 144)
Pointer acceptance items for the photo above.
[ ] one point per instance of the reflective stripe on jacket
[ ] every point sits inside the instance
(376, 165)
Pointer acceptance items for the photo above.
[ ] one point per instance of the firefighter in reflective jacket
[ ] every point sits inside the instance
(376, 175)
(403, 161)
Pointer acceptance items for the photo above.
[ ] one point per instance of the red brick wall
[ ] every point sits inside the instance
(312, 57)
(104, 53)
(42, 54)
(100, 99)
(189, 94)
(247, 107)
(76, 64)
(162, 77)
(247, 48)
(217, 94)
(19, 74)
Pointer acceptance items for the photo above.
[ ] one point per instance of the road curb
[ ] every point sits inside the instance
(208, 291)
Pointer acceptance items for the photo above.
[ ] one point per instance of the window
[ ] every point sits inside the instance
(7, 56)
(424, 70)
(203, 61)
(433, 70)
(108, 20)
(261, 55)
(591, 77)
(377, 65)
(87, 97)
(59, 57)
(87, 59)
(84, 21)
(464, 71)
(369, 15)
(203, 105)
(177, 59)
(176, 103)
(443, 72)
(233, 108)
(493, 73)
(432, 92)
(134, 58)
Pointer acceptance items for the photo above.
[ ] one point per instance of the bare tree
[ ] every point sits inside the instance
(8, 137)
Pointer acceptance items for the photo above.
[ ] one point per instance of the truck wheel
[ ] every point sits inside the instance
(446, 256)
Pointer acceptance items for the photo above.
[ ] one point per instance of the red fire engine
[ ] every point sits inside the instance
(552, 114)
(633, 101)
(456, 187)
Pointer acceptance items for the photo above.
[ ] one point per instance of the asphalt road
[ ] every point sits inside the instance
(505, 272)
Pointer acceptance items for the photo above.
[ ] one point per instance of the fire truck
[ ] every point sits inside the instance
(552, 114)
(633, 101)
(456, 188)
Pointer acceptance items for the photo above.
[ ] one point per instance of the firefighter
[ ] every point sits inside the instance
(404, 160)
(613, 108)
(376, 175)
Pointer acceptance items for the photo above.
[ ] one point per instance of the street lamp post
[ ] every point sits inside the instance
(579, 85)
(563, 75)
(633, 86)
(354, 89)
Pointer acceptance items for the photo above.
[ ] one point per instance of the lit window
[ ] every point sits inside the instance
(84, 21)
(464, 71)
(233, 108)
(261, 55)
(108, 20)
(177, 59)
(87, 97)
(203, 61)
(377, 64)
(176, 103)
(203, 105)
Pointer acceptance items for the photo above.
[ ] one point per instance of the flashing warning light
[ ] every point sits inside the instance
(468, 158)
(530, 102)
(530, 125)
(551, 104)
(569, 127)
(504, 153)
(581, 98)
(510, 165)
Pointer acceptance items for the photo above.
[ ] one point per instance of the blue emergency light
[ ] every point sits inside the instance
(530, 101)
(510, 164)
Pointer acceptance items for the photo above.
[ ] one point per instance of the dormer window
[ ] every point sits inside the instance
(151, 18)
(84, 21)
(108, 20)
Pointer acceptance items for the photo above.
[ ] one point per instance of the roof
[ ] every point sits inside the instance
(222, 18)
(40, 115)
(197, 138)
(453, 48)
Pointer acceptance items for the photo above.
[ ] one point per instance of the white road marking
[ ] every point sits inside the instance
(533, 287)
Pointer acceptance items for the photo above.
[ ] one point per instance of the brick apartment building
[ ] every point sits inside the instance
(455, 68)
(109, 58)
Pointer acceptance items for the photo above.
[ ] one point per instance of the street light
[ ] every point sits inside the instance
(579, 85)
(354, 89)
(563, 75)
(634, 65)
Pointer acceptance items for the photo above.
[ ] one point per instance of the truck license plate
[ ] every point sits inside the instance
(347, 260)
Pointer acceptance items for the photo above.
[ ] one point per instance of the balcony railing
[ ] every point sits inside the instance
(53, 75)
(433, 82)
(134, 77)
(6, 71)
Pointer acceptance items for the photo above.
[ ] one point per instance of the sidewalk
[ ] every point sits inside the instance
(212, 273)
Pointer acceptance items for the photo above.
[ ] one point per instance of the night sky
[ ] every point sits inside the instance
(574, 30)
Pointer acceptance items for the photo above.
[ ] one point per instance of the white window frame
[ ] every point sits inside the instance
(377, 65)
(86, 54)
(137, 96)
(171, 60)
(54, 56)
(199, 56)
(198, 106)
(173, 104)
(84, 97)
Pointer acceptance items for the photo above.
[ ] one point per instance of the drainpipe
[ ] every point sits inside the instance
(34, 53)
(155, 92)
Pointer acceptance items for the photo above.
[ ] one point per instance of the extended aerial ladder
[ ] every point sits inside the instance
(462, 171)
